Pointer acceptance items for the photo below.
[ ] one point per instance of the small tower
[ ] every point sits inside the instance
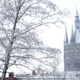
(73, 36)
(77, 28)
(77, 20)
(66, 36)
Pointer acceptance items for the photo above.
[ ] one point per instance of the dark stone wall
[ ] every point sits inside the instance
(72, 57)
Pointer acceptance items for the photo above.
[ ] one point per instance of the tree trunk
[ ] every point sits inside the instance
(10, 48)
(5, 66)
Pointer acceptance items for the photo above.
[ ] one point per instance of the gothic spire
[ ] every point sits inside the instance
(77, 14)
(73, 36)
(77, 19)
(66, 35)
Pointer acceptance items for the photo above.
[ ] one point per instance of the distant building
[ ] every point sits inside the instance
(72, 57)
(72, 47)
(75, 32)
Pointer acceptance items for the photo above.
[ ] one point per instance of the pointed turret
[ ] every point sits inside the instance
(77, 28)
(66, 36)
(77, 20)
(75, 31)
(77, 14)
(73, 36)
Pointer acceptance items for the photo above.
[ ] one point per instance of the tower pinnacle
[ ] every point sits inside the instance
(66, 36)
(77, 20)
(73, 36)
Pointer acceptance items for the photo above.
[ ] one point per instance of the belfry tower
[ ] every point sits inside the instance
(77, 28)
(66, 36)
(73, 36)
(75, 33)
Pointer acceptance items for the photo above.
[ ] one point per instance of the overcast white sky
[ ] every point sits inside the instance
(54, 36)
(71, 5)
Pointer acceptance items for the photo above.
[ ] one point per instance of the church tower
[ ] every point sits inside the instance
(75, 31)
(66, 36)
(77, 20)
(77, 28)
(75, 34)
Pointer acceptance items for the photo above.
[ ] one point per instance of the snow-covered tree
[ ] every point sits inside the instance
(18, 21)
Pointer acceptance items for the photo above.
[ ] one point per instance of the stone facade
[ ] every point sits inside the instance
(72, 57)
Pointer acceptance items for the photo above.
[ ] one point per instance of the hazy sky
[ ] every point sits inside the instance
(54, 37)
(69, 4)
